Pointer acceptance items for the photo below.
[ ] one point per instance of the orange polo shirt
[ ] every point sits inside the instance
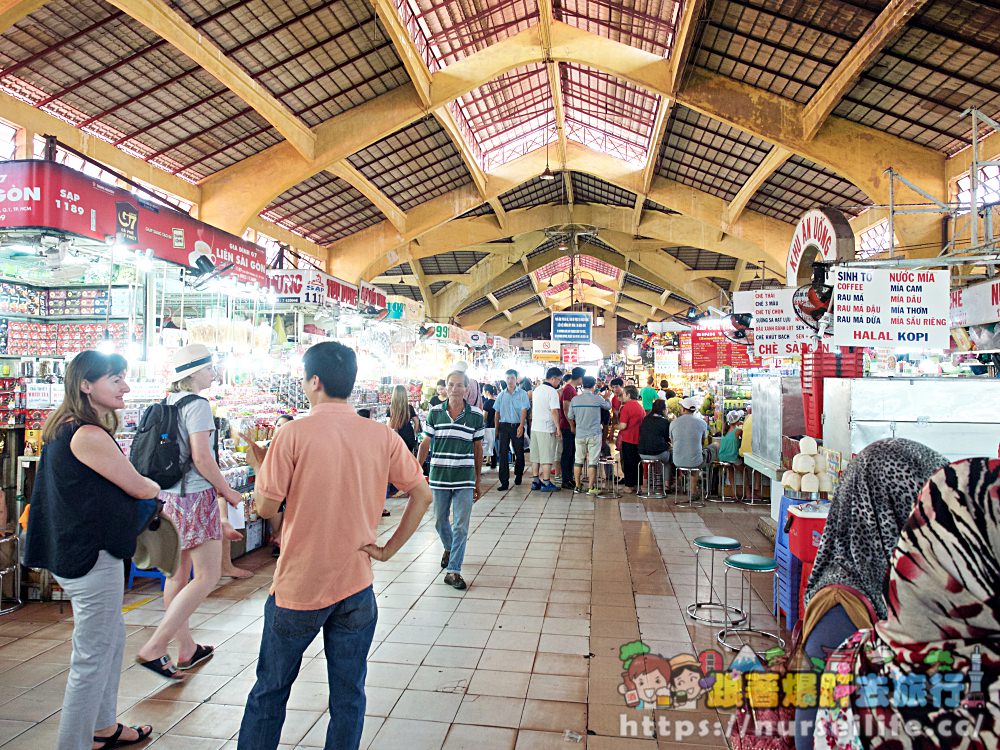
(332, 468)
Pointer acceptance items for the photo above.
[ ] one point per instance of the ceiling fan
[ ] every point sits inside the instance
(813, 303)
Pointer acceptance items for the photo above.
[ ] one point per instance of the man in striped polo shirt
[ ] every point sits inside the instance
(454, 438)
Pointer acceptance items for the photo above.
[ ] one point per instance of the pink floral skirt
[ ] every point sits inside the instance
(196, 516)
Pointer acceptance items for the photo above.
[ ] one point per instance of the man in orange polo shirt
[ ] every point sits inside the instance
(331, 468)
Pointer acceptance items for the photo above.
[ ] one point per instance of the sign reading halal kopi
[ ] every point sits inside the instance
(823, 234)
(43, 194)
(891, 308)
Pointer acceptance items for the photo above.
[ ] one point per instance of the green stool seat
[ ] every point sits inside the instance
(716, 542)
(753, 563)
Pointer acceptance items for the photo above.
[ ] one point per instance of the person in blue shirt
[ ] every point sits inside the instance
(511, 408)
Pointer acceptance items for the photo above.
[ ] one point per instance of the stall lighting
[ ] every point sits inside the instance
(144, 260)
(633, 350)
(106, 346)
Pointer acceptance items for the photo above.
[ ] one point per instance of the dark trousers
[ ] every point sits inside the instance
(568, 457)
(630, 464)
(508, 440)
(348, 628)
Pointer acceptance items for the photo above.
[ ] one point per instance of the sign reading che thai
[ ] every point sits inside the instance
(777, 330)
(891, 308)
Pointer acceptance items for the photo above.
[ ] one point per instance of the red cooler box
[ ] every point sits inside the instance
(807, 569)
(806, 524)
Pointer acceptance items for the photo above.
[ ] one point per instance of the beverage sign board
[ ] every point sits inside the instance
(892, 308)
(975, 305)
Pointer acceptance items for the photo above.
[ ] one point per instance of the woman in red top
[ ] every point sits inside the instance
(630, 419)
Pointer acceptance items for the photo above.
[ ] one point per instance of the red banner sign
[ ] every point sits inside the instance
(708, 349)
(46, 195)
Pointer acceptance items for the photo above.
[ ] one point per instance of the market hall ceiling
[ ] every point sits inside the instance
(386, 131)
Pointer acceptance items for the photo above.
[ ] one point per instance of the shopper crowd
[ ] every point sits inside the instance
(908, 568)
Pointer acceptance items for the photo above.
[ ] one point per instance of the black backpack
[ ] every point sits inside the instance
(156, 450)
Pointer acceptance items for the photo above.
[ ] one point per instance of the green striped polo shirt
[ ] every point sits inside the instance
(453, 462)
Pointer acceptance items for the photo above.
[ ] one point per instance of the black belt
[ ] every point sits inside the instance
(512, 424)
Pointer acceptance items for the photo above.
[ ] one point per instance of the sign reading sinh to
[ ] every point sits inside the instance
(892, 308)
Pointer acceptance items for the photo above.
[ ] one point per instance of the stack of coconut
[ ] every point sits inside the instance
(808, 473)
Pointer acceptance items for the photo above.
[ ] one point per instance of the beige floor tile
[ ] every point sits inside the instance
(441, 679)
(503, 640)
(411, 734)
(380, 701)
(380, 674)
(464, 637)
(558, 688)
(211, 721)
(528, 739)
(506, 660)
(9, 729)
(554, 716)
(414, 634)
(37, 737)
(426, 705)
(564, 664)
(491, 711)
(519, 623)
(564, 644)
(180, 742)
(453, 656)
(403, 653)
(566, 626)
(472, 620)
(508, 684)
(470, 737)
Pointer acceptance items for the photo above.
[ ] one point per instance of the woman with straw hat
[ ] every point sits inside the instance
(197, 507)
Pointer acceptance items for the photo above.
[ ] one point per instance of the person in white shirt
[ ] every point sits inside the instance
(545, 432)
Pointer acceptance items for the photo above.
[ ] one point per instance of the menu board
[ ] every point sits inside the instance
(892, 308)
(666, 361)
(976, 304)
(777, 330)
(708, 349)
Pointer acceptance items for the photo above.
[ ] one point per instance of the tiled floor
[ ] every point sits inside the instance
(526, 658)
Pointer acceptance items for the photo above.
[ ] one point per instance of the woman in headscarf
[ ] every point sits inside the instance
(933, 664)
(846, 590)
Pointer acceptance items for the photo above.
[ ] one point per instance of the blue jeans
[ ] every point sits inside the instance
(453, 535)
(348, 628)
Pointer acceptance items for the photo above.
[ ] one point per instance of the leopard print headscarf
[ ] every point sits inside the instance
(872, 502)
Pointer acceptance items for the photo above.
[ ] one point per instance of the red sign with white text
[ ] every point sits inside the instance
(46, 195)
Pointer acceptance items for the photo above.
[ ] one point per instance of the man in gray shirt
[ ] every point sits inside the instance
(584, 416)
(687, 440)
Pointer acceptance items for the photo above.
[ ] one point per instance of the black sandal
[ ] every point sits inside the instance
(201, 653)
(115, 739)
(161, 666)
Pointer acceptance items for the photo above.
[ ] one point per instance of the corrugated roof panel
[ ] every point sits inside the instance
(414, 164)
(646, 24)
(323, 209)
(516, 286)
(708, 155)
(453, 262)
(702, 260)
(590, 189)
(800, 185)
(536, 192)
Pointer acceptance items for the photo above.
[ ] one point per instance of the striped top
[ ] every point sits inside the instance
(453, 462)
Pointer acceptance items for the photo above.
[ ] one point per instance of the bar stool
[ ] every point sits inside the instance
(11, 554)
(746, 564)
(652, 469)
(687, 474)
(721, 469)
(729, 615)
(607, 479)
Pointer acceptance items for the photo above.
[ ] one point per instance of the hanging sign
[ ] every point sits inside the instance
(666, 361)
(295, 286)
(42, 194)
(572, 327)
(777, 330)
(404, 308)
(477, 339)
(571, 354)
(976, 305)
(892, 308)
(545, 351)
(371, 296)
(822, 234)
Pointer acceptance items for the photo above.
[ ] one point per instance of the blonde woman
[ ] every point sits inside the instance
(403, 419)
(197, 506)
(83, 523)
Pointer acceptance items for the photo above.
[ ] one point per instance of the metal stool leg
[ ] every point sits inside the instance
(729, 616)
(753, 500)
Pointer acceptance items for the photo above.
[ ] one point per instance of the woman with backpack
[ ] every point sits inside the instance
(197, 507)
(83, 522)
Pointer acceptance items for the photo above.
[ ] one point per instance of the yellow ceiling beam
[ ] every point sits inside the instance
(886, 26)
(12, 11)
(856, 152)
(525, 317)
(545, 21)
(447, 121)
(500, 211)
(349, 174)
(771, 164)
(372, 251)
(162, 20)
(687, 27)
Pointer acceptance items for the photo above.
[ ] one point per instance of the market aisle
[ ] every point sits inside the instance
(557, 585)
